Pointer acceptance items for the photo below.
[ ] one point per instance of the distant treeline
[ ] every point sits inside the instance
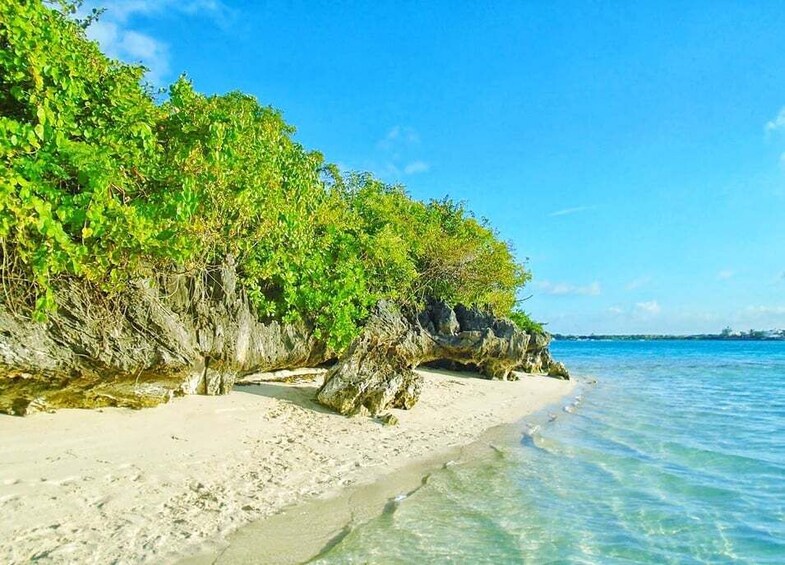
(103, 180)
(752, 335)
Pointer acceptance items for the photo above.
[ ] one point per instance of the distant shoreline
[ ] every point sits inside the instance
(644, 337)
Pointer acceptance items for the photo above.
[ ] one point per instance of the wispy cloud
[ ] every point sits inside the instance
(568, 211)
(638, 283)
(566, 289)
(389, 170)
(777, 123)
(725, 274)
(416, 167)
(398, 136)
(639, 311)
(760, 317)
(123, 10)
(115, 33)
(651, 307)
(398, 154)
(132, 47)
(764, 311)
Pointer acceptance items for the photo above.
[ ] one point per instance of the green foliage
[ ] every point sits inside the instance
(524, 322)
(436, 249)
(76, 145)
(98, 181)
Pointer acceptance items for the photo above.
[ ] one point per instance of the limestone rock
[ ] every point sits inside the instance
(388, 419)
(377, 372)
(171, 335)
(558, 370)
(438, 317)
(181, 334)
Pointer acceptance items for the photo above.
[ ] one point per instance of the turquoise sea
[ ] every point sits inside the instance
(676, 455)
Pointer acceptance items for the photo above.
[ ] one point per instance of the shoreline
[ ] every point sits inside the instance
(161, 484)
(309, 529)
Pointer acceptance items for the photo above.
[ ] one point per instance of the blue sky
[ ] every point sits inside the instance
(634, 152)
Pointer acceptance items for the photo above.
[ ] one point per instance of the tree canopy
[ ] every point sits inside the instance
(100, 181)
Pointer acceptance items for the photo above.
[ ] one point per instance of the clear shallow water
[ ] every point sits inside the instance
(677, 455)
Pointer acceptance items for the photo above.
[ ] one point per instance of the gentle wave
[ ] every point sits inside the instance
(676, 456)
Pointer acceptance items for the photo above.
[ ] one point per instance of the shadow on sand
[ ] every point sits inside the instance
(300, 394)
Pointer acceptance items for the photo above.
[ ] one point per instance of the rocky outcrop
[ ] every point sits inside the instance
(377, 372)
(198, 334)
(172, 335)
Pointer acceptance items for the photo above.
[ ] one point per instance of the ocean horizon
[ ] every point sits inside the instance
(674, 455)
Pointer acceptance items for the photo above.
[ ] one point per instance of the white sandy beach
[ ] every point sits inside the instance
(123, 486)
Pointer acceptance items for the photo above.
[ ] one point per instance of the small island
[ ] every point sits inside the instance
(727, 334)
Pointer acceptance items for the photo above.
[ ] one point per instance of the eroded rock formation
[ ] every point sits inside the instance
(177, 334)
(377, 372)
(187, 334)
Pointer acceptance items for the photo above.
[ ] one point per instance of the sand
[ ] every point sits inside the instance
(153, 486)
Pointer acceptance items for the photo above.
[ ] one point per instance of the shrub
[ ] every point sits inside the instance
(100, 182)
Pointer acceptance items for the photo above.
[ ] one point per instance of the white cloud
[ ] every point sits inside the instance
(390, 170)
(776, 123)
(416, 167)
(760, 317)
(198, 6)
(568, 211)
(764, 311)
(142, 46)
(393, 134)
(566, 289)
(397, 154)
(725, 274)
(123, 10)
(115, 34)
(398, 137)
(132, 47)
(638, 283)
(650, 307)
(615, 310)
(106, 34)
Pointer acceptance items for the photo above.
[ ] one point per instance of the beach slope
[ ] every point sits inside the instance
(119, 485)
